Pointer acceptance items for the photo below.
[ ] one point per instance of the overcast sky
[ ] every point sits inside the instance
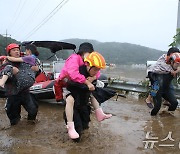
(150, 23)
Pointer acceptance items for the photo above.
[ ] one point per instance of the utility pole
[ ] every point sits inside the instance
(178, 24)
(176, 38)
(6, 36)
(178, 16)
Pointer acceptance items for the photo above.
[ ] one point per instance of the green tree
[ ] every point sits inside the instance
(176, 39)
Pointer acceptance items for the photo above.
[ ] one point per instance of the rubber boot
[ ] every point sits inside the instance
(100, 115)
(71, 131)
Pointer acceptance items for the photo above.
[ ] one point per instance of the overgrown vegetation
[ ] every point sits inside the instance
(176, 39)
(122, 53)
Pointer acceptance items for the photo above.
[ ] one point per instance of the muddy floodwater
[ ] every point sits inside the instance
(130, 130)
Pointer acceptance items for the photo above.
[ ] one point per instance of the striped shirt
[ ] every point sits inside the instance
(160, 66)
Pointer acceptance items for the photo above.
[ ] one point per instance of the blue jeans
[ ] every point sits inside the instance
(165, 91)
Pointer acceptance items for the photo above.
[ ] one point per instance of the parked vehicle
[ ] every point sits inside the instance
(43, 87)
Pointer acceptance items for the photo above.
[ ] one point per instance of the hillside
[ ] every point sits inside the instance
(114, 52)
(122, 53)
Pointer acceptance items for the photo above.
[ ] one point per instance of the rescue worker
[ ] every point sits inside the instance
(162, 67)
(81, 94)
(24, 98)
(162, 85)
(24, 78)
(70, 71)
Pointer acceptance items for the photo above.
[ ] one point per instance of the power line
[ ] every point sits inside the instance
(17, 17)
(47, 18)
(16, 11)
(32, 16)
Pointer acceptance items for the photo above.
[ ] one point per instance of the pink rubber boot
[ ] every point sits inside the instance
(100, 115)
(71, 131)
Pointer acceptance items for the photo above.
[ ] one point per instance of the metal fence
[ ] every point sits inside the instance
(135, 87)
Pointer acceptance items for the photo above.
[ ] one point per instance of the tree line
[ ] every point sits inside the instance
(114, 52)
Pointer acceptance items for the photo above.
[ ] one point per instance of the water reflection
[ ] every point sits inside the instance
(126, 72)
(165, 128)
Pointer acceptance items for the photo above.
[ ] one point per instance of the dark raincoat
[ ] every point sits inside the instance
(81, 95)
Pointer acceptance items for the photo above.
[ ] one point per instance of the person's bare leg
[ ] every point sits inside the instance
(94, 102)
(15, 70)
(3, 80)
(69, 115)
(149, 101)
(5, 77)
(69, 108)
(100, 115)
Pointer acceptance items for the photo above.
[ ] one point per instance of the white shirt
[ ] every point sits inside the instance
(160, 66)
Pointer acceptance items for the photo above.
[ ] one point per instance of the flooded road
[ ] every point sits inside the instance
(126, 132)
(123, 133)
(126, 72)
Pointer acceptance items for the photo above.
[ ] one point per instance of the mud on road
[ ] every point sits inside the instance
(123, 133)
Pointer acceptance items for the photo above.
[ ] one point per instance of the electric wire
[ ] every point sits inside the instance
(15, 13)
(17, 17)
(32, 16)
(47, 18)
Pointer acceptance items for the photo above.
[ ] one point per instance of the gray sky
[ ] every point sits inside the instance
(150, 23)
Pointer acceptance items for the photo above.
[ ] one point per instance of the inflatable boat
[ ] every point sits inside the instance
(43, 88)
